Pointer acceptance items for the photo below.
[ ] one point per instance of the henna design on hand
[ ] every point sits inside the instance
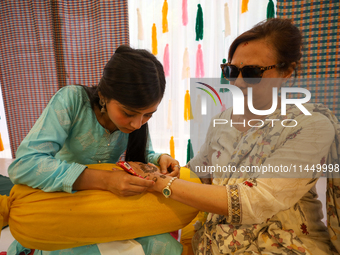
(162, 176)
(148, 168)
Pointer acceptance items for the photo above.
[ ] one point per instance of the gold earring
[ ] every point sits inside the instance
(102, 104)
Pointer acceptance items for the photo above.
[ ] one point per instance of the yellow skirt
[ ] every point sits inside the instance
(59, 220)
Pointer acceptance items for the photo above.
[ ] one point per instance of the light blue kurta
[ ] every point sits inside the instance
(65, 138)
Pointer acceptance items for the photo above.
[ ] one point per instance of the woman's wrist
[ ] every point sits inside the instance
(160, 180)
(164, 184)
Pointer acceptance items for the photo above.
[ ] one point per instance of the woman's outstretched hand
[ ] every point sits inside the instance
(122, 183)
(168, 164)
(208, 198)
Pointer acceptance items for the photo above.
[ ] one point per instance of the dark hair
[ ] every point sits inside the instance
(283, 35)
(134, 78)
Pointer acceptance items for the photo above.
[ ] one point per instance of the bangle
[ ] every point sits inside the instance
(167, 191)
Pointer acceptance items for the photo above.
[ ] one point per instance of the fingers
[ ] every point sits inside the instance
(165, 162)
(163, 167)
(124, 184)
(167, 165)
(136, 186)
(175, 173)
(171, 167)
(136, 181)
(127, 193)
(175, 170)
(131, 192)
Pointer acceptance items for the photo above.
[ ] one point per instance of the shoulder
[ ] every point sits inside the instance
(71, 94)
(320, 116)
(72, 91)
(220, 120)
(223, 116)
(318, 125)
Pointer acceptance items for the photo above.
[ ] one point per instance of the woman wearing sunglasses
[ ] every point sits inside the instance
(273, 213)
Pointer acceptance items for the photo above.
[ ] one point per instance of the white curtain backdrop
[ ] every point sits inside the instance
(166, 123)
(6, 153)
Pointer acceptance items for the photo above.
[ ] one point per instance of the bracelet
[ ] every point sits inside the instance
(167, 191)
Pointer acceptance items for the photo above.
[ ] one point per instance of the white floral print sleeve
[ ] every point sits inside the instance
(275, 213)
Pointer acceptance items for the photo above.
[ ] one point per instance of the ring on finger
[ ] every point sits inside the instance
(177, 166)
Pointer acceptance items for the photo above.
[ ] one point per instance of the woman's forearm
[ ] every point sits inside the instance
(208, 198)
(92, 179)
(43, 171)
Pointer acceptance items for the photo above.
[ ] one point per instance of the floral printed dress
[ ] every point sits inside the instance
(272, 212)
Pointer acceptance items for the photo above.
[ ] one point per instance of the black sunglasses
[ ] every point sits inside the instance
(252, 74)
